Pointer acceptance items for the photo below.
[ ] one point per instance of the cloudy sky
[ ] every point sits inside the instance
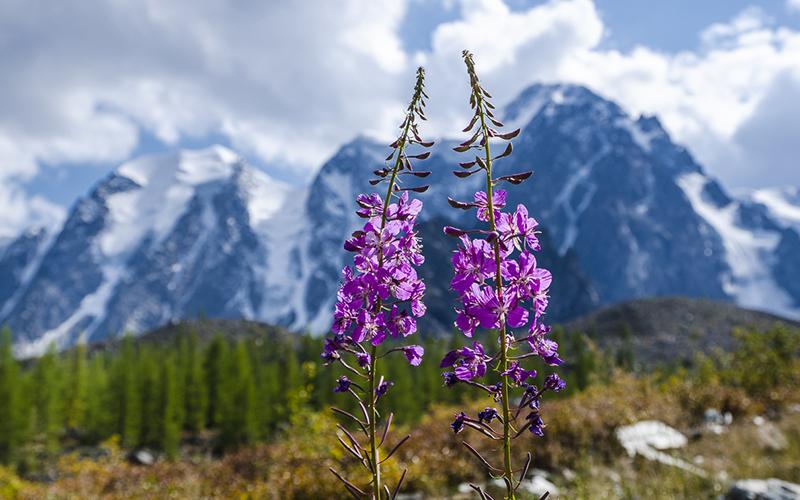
(85, 85)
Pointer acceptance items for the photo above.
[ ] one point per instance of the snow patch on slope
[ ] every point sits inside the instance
(783, 204)
(748, 252)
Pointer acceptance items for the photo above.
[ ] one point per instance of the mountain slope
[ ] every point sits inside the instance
(161, 238)
(624, 212)
(671, 329)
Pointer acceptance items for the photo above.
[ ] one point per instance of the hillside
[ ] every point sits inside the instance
(671, 329)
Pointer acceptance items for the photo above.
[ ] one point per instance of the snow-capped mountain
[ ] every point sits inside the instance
(624, 211)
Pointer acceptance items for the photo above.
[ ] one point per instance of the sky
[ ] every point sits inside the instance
(88, 84)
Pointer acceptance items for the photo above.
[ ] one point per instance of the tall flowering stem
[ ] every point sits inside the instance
(380, 297)
(501, 292)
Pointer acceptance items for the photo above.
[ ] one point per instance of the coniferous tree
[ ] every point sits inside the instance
(239, 425)
(100, 422)
(76, 388)
(10, 401)
(46, 403)
(194, 392)
(151, 383)
(128, 397)
(216, 379)
(171, 409)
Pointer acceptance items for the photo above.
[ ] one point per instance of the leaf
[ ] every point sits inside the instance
(418, 173)
(399, 483)
(396, 447)
(509, 135)
(462, 174)
(461, 149)
(525, 469)
(426, 144)
(497, 123)
(505, 153)
(421, 156)
(419, 189)
(479, 457)
(462, 205)
(453, 231)
(467, 164)
(472, 139)
(391, 155)
(386, 429)
(471, 124)
(515, 179)
(353, 489)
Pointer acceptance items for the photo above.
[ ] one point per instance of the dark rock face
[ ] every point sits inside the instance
(68, 271)
(205, 267)
(15, 259)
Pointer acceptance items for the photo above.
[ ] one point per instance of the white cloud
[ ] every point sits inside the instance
(793, 5)
(288, 82)
(703, 97)
(283, 80)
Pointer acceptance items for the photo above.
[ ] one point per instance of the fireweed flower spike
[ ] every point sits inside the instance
(380, 297)
(500, 288)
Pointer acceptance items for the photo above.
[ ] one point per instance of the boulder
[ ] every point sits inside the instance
(763, 489)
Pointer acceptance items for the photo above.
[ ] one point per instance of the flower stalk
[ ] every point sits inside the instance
(381, 296)
(496, 291)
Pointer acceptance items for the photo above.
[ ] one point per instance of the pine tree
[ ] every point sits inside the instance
(45, 391)
(216, 379)
(194, 391)
(99, 420)
(129, 402)
(239, 425)
(76, 388)
(625, 353)
(10, 401)
(171, 412)
(151, 386)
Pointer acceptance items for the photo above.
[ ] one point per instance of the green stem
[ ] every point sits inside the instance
(373, 400)
(498, 284)
(376, 468)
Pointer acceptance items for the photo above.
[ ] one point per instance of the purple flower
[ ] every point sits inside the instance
(472, 263)
(483, 304)
(546, 349)
(330, 351)
(458, 423)
(383, 387)
(400, 323)
(482, 202)
(404, 209)
(450, 379)
(525, 280)
(414, 354)
(537, 425)
(496, 390)
(517, 374)
(369, 327)
(487, 415)
(342, 384)
(371, 205)
(554, 383)
(519, 225)
(363, 359)
(469, 362)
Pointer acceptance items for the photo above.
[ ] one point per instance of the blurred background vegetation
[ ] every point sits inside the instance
(227, 415)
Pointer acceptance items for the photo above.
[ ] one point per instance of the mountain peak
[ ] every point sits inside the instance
(547, 97)
(191, 167)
